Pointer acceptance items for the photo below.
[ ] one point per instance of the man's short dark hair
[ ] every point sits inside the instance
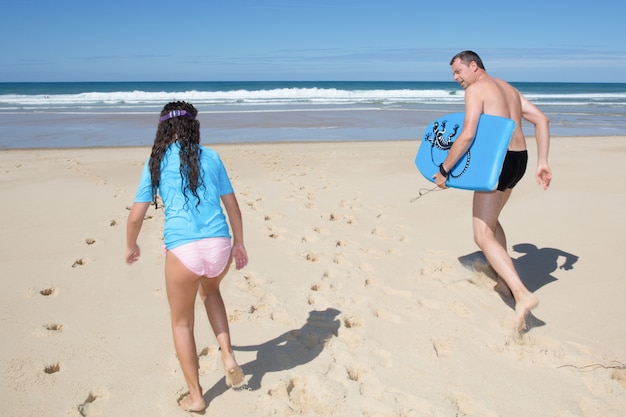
(467, 57)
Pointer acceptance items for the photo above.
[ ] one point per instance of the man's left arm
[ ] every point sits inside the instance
(531, 113)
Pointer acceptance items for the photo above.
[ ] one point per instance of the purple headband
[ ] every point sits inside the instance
(176, 113)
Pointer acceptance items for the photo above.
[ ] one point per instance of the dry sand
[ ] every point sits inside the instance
(356, 302)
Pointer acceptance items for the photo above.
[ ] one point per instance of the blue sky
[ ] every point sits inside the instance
(249, 40)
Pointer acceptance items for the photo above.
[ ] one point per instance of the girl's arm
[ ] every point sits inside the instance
(133, 227)
(236, 224)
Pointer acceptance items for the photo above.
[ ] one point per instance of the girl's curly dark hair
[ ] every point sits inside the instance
(181, 127)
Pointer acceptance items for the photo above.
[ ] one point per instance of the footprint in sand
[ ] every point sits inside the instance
(332, 217)
(310, 237)
(339, 259)
(442, 347)
(354, 205)
(254, 287)
(209, 360)
(316, 286)
(54, 327)
(433, 268)
(309, 395)
(310, 256)
(382, 233)
(73, 165)
(464, 405)
(252, 284)
(619, 375)
(344, 369)
(371, 282)
(48, 292)
(263, 303)
(325, 290)
(252, 204)
(79, 262)
(382, 313)
(351, 322)
(356, 373)
(48, 329)
(52, 369)
(310, 204)
(93, 404)
(319, 301)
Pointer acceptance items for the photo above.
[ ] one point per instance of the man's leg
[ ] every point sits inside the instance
(501, 287)
(490, 238)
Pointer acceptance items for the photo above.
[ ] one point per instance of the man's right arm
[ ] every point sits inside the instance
(473, 110)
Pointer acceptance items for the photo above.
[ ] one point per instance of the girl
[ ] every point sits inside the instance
(191, 181)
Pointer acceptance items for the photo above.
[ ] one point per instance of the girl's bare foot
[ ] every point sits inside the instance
(234, 375)
(188, 404)
(522, 308)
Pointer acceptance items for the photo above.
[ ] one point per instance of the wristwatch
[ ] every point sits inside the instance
(443, 171)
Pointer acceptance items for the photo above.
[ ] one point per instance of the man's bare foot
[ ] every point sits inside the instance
(502, 289)
(234, 374)
(522, 308)
(188, 404)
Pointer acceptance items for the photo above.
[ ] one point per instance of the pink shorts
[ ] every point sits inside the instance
(205, 257)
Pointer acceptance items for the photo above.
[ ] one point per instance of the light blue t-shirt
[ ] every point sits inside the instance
(184, 221)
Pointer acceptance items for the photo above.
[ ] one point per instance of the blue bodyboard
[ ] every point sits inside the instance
(479, 169)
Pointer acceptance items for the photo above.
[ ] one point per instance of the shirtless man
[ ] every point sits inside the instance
(490, 95)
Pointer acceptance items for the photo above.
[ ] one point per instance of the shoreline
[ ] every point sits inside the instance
(354, 295)
(415, 141)
(35, 131)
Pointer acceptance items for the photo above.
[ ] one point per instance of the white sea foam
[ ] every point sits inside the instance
(280, 96)
(286, 97)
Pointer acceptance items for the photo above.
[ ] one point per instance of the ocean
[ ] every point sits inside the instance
(93, 114)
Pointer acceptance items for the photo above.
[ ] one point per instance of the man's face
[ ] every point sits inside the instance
(463, 74)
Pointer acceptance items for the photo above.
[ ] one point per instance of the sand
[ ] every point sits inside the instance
(357, 300)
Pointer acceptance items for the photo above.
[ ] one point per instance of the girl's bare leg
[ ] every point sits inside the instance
(216, 311)
(182, 287)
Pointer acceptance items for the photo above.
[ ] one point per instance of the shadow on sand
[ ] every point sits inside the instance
(535, 268)
(293, 348)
